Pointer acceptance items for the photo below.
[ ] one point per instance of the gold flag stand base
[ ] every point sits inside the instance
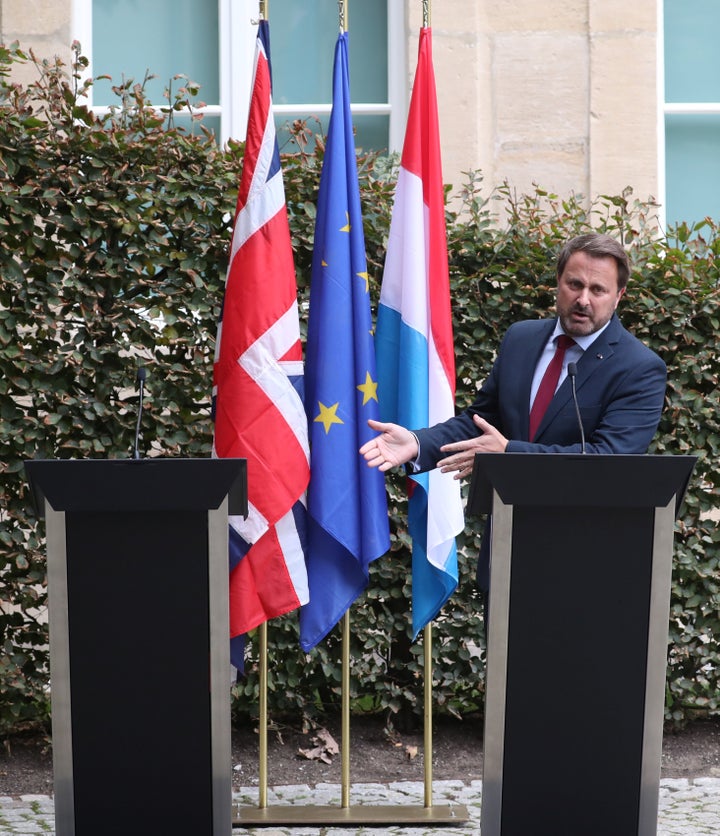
(370, 815)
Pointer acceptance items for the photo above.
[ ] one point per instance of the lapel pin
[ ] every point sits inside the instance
(599, 356)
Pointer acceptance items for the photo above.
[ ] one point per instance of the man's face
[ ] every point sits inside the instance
(587, 293)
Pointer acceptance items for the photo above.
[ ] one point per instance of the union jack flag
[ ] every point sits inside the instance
(257, 388)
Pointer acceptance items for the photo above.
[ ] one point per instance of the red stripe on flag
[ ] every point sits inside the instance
(250, 584)
(421, 156)
(247, 315)
(257, 119)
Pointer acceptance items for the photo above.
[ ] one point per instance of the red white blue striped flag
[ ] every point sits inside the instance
(257, 393)
(414, 341)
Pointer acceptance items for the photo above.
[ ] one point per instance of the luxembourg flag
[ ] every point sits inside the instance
(414, 341)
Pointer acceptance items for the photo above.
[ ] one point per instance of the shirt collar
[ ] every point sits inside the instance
(585, 341)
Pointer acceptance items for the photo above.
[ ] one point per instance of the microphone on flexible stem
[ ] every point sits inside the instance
(572, 374)
(141, 374)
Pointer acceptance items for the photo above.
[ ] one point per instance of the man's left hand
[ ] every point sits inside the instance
(462, 453)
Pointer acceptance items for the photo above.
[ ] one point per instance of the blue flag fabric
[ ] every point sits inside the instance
(347, 505)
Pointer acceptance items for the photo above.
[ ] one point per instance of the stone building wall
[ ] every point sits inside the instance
(562, 93)
(43, 25)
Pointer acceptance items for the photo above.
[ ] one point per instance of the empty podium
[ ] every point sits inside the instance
(139, 656)
(581, 563)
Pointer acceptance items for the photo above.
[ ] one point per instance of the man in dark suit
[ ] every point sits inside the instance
(620, 382)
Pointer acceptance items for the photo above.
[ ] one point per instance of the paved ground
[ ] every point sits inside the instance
(688, 807)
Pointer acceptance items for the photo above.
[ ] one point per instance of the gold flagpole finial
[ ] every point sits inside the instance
(263, 9)
(426, 13)
(342, 15)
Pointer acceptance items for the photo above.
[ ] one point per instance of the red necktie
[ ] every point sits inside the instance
(548, 384)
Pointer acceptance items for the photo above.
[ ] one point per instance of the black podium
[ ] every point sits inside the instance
(139, 650)
(581, 563)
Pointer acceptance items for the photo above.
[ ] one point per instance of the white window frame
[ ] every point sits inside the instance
(664, 109)
(660, 110)
(236, 27)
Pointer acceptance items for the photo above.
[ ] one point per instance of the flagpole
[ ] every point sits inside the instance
(343, 15)
(426, 13)
(264, 9)
(263, 719)
(427, 649)
(345, 741)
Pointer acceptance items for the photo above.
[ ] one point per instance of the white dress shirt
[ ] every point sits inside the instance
(572, 355)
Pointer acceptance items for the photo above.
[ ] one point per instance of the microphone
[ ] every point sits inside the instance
(572, 374)
(141, 374)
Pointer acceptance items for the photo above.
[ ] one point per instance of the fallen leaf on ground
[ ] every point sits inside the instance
(324, 749)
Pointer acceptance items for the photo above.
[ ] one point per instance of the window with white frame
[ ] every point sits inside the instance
(691, 110)
(213, 44)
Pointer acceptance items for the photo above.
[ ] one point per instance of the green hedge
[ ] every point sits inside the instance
(114, 235)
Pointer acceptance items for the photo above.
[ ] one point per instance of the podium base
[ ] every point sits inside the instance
(371, 815)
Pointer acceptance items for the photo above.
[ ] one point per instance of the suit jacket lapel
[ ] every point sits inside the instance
(599, 351)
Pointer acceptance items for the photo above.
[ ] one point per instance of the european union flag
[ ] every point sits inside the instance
(347, 505)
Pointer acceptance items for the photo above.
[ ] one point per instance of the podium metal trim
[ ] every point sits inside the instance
(58, 624)
(660, 587)
(219, 617)
(496, 677)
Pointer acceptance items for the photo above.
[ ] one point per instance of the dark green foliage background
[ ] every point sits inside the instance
(114, 235)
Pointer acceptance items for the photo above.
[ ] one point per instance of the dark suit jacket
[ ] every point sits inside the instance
(620, 389)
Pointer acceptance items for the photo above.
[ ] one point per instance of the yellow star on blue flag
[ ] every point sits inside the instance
(327, 416)
(369, 389)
